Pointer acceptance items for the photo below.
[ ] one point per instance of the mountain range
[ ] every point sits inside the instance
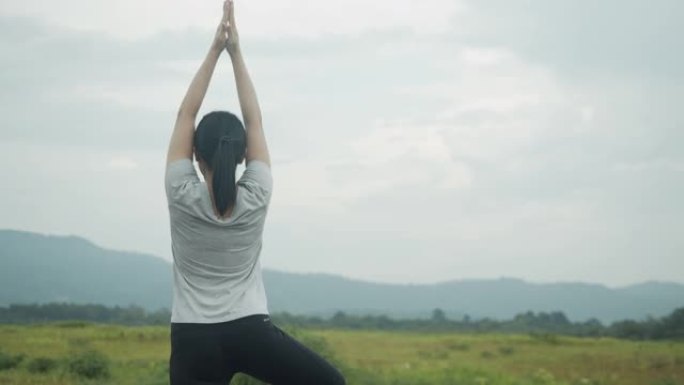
(38, 268)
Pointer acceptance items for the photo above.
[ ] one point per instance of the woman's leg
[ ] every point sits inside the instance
(196, 356)
(271, 355)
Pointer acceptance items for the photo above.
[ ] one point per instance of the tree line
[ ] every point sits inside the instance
(667, 327)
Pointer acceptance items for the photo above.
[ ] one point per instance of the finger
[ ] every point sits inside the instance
(231, 12)
(226, 10)
(222, 28)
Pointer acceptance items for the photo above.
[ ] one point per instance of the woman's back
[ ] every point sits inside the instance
(216, 269)
(219, 321)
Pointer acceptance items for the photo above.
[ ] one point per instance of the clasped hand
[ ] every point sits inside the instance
(226, 32)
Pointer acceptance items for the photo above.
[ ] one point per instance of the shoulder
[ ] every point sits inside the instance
(178, 168)
(257, 174)
(181, 181)
(257, 181)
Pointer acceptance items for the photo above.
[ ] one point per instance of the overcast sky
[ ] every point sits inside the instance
(411, 140)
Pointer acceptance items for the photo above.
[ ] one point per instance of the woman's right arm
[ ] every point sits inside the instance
(251, 113)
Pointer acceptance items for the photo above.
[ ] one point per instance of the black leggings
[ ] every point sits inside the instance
(210, 354)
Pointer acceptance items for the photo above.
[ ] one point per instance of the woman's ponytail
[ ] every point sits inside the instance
(223, 180)
(220, 142)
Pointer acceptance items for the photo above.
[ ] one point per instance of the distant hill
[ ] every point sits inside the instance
(36, 268)
(43, 268)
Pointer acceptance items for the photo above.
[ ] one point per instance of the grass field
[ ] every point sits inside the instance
(82, 353)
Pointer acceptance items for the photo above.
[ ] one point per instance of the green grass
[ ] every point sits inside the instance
(503, 359)
(139, 356)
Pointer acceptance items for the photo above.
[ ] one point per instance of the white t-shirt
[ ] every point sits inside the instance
(216, 269)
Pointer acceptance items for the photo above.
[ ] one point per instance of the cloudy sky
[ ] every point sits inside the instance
(412, 140)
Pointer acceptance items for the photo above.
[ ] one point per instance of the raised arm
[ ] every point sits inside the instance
(180, 145)
(249, 105)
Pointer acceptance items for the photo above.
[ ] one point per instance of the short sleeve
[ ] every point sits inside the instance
(258, 181)
(180, 180)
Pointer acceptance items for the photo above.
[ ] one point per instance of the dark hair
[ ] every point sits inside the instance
(220, 142)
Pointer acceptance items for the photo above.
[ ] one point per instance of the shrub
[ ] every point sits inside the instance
(9, 361)
(506, 350)
(547, 338)
(79, 343)
(456, 345)
(658, 363)
(72, 324)
(665, 381)
(41, 365)
(89, 364)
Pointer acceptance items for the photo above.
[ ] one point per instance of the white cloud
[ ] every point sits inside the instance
(392, 140)
(151, 97)
(494, 104)
(587, 113)
(657, 164)
(122, 163)
(273, 19)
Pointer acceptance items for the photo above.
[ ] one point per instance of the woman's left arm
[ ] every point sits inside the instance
(180, 145)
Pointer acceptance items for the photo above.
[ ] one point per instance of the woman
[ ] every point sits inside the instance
(219, 320)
